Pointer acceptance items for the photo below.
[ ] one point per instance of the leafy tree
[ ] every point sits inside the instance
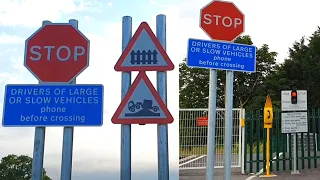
(248, 87)
(301, 70)
(13, 167)
(193, 86)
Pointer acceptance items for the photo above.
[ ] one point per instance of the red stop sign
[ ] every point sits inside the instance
(56, 53)
(222, 20)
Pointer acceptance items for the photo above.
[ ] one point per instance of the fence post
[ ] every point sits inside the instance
(133, 57)
(154, 57)
(144, 57)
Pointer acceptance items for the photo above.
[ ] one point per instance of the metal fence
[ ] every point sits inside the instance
(193, 139)
(308, 155)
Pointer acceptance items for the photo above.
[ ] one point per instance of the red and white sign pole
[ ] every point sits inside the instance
(222, 21)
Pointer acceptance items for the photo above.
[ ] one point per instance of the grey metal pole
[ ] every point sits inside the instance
(125, 85)
(163, 155)
(228, 125)
(38, 147)
(67, 144)
(295, 171)
(212, 105)
(243, 135)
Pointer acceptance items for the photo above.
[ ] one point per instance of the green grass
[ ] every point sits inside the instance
(202, 150)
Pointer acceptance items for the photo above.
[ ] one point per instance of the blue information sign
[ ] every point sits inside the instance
(53, 105)
(221, 55)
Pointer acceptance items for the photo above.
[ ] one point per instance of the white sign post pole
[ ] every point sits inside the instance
(295, 171)
(211, 124)
(228, 125)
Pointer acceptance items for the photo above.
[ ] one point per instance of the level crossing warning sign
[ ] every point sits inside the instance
(144, 53)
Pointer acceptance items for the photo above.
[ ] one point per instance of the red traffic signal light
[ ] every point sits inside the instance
(294, 99)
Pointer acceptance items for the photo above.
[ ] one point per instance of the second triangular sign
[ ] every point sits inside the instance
(142, 105)
(144, 53)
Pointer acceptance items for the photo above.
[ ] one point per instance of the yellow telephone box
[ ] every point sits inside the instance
(268, 120)
(268, 113)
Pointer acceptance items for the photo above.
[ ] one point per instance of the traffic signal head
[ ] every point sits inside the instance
(294, 95)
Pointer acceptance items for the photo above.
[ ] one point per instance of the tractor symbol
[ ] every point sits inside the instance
(147, 104)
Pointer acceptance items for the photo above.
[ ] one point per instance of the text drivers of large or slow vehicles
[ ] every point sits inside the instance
(41, 95)
(215, 48)
(222, 54)
(53, 104)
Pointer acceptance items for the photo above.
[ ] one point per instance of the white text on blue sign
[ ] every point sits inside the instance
(53, 105)
(221, 55)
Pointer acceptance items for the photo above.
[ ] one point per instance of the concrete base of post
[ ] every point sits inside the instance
(295, 172)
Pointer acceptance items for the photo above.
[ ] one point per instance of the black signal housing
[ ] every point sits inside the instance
(294, 97)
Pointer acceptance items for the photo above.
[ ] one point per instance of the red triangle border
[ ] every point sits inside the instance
(142, 76)
(144, 26)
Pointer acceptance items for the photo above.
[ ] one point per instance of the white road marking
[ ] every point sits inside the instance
(187, 158)
(261, 170)
(192, 160)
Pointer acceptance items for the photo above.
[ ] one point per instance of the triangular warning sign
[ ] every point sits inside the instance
(144, 53)
(142, 105)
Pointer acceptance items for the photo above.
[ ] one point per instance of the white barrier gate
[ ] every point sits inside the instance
(193, 139)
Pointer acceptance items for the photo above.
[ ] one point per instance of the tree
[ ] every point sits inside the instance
(13, 167)
(251, 89)
(248, 87)
(301, 70)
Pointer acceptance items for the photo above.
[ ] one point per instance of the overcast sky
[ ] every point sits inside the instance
(97, 150)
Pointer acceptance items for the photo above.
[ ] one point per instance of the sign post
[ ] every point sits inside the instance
(39, 143)
(163, 153)
(294, 117)
(55, 54)
(268, 122)
(141, 102)
(224, 22)
(125, 162)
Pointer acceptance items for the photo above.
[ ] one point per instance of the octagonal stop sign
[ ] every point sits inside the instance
(56, 53)
(222, 20)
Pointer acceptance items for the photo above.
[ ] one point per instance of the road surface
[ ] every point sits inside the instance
(199, 163)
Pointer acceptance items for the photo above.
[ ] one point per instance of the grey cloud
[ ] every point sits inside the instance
(10, 133)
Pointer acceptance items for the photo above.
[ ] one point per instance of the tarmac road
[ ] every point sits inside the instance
(199, 174)
(200, 161)
(310, 174)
